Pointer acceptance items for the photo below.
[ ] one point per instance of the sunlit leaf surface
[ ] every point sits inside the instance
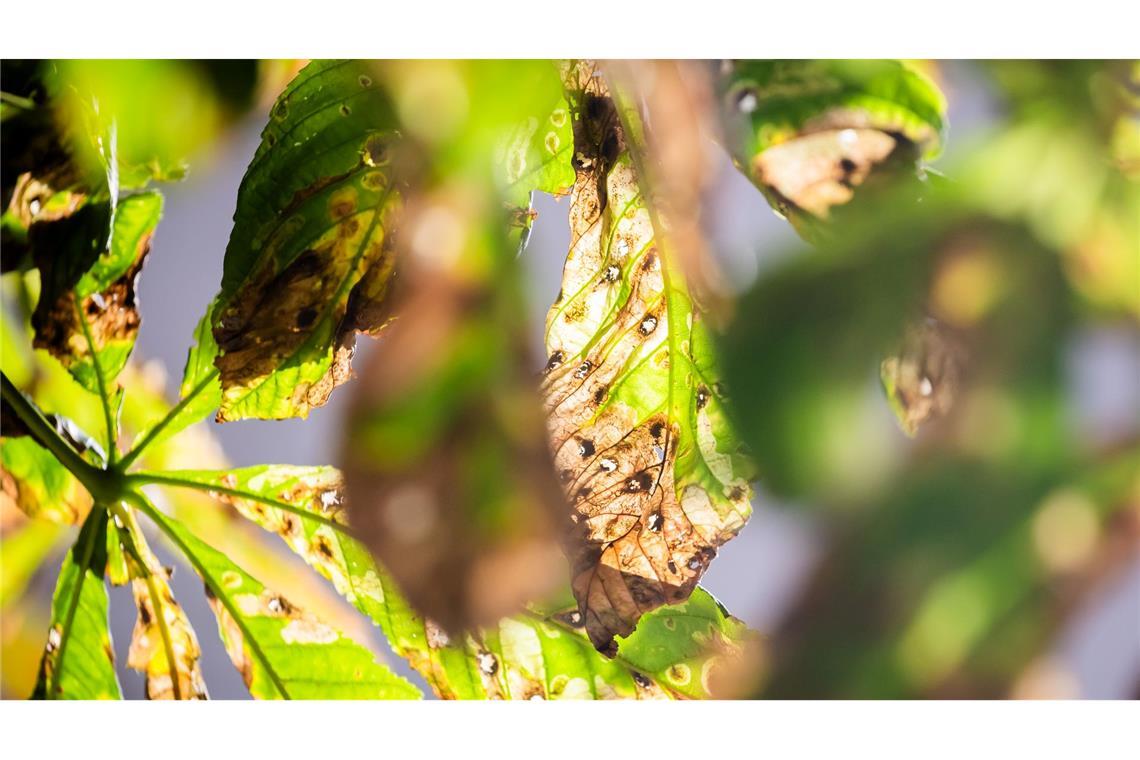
(309, 261)
(281, 651)
(35, 482)
(636, 409)
(164, 647)
(809, 132)
(677, 651)
(78, 661)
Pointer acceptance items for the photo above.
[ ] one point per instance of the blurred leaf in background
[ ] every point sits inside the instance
(949, 556)
(448, 478)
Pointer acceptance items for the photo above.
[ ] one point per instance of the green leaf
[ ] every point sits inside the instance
(310, 257)
(164, 111)
(308, 262)
(36, 483)
(689, 647)
(199, 373)
(673, 652)
(534, 154)
(303, 505)
(78, 662)
(87, 315)
(281, 651)
(682, 651)
(636, 411)
(808, 132)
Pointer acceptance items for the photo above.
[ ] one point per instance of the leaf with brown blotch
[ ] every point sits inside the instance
(87, 316)
(635, 411)
(163, 645)
(309, 261)
(281, 651)
(808, 133)
(34, 481)
(448, 481)
(682, 651)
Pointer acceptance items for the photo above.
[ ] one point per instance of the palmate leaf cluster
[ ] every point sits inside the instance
(356, 215)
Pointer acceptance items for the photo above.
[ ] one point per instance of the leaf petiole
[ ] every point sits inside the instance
(172, 479)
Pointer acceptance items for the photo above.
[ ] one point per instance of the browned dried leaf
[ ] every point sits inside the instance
(163, 645)
(822, 169)
(636, 421)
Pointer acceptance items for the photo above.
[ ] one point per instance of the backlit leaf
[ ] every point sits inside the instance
(281, 651)
(636, 418)
(809, 132)
(534, 154)
(78, 661)
(304, 506)
(34, 481)
(87, 315)
(674, 652)
(163, 647)
(309, 262)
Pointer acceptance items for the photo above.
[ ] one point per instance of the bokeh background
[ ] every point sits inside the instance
(1025, 584)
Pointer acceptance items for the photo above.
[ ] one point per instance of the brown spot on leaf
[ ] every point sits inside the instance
(111, 314)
